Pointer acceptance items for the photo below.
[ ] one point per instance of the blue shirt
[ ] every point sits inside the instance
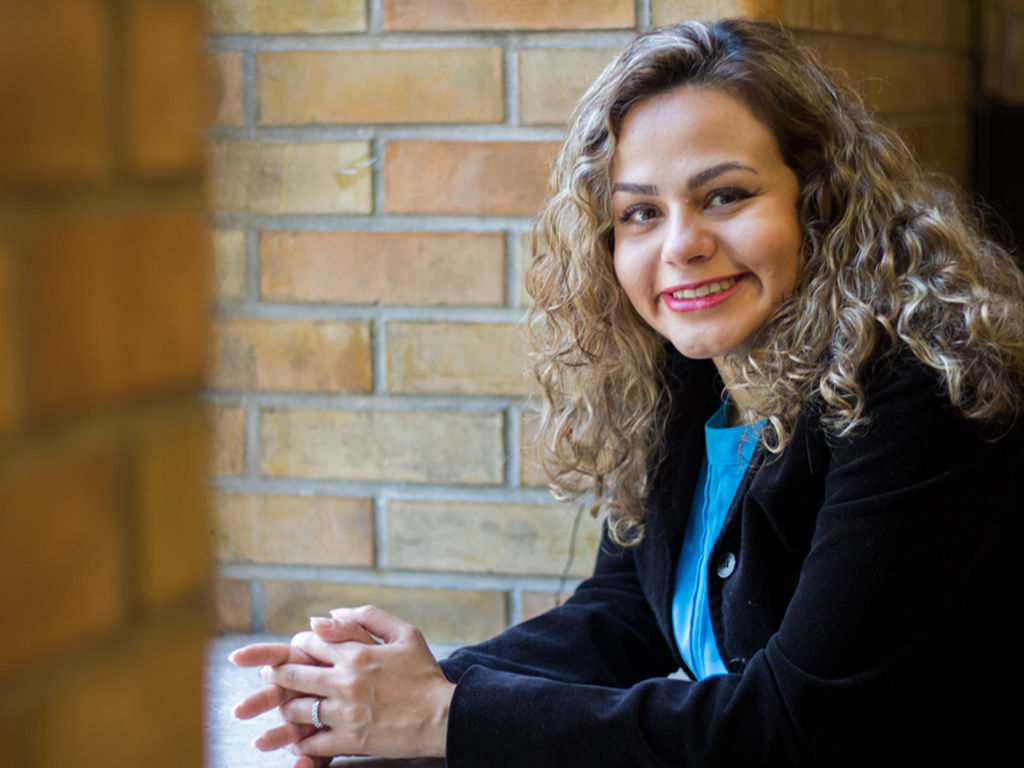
(727, 454)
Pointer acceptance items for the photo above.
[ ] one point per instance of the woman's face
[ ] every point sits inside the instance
(707, 235)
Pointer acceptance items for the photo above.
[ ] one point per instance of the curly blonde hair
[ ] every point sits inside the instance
(892, 258)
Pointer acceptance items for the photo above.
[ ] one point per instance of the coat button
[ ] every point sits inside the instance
(726, 565)
(736, 665)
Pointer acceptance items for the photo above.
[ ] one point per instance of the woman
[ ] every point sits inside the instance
(790, 367)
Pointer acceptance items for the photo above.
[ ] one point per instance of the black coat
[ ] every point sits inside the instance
(865, 594)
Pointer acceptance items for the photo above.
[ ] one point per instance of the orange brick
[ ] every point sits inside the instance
(294, 530)
(670, 11)
(258, 16)
(292, 355)
(63, 546)
(848, 57)
(135, 725)
(941, 142)
(116, 308)
(58, 99)
(383, 267)
(229, 264)
(467, 177)
(11, 366)
(410, 446)
(552, 79)
(456, 358)
(443, 615)
(536, 603)
(285, 177)
(865, 18)
(227, 453)
(166, 92)
(226, 89)
(460, 85)
(489, 538)
(903, 81)
(232, 605)
(443, 15)
(174, 522)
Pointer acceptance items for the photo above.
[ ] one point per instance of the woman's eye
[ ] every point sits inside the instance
(638, 214)
(726, 197)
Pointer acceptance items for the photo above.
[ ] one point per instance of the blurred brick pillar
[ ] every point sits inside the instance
(103, 333)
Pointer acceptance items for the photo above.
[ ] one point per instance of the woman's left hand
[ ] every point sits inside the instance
(388, 700)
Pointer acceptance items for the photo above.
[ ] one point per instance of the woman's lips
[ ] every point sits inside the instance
(696, 297)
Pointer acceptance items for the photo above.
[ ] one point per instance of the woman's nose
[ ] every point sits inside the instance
(687, 240)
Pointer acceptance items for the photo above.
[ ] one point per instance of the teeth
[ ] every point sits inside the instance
(708, 289)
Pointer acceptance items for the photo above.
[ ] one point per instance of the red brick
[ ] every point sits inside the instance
(166, 82)
(226, 89)
(461, 85)
(551, 80)
(294, 530)
(62, 541)
(227, 452)
(116, 308)
(292, 355)
(58, 99)
(467, 177)
(443, 15)
(670, 11)
(383, 267)
(173, 507)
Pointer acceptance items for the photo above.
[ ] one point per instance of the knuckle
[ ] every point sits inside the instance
(359, 656)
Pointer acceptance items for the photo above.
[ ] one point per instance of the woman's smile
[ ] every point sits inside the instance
(707, 235)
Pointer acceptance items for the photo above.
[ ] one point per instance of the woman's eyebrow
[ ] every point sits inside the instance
(697, 180)
(703, 177)
(635, 189)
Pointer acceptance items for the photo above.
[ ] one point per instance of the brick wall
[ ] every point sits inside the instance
(103, 327)
(375, 168)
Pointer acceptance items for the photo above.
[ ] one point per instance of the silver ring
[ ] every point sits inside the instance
(317, 723)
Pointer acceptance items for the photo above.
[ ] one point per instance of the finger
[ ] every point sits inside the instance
(330, 744)
(377, 621)
(262, 701)
(282, 736)
(304, 678)
(272, 654)
(300, 710)
(340, 630)
(330, 652)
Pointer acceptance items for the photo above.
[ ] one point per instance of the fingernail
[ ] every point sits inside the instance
(265, 672)
(321, 622)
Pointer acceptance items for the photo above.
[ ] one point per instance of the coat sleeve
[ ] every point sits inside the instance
(559, 645)
(912, 510)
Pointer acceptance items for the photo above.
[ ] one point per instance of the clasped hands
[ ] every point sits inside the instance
(381, 691)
